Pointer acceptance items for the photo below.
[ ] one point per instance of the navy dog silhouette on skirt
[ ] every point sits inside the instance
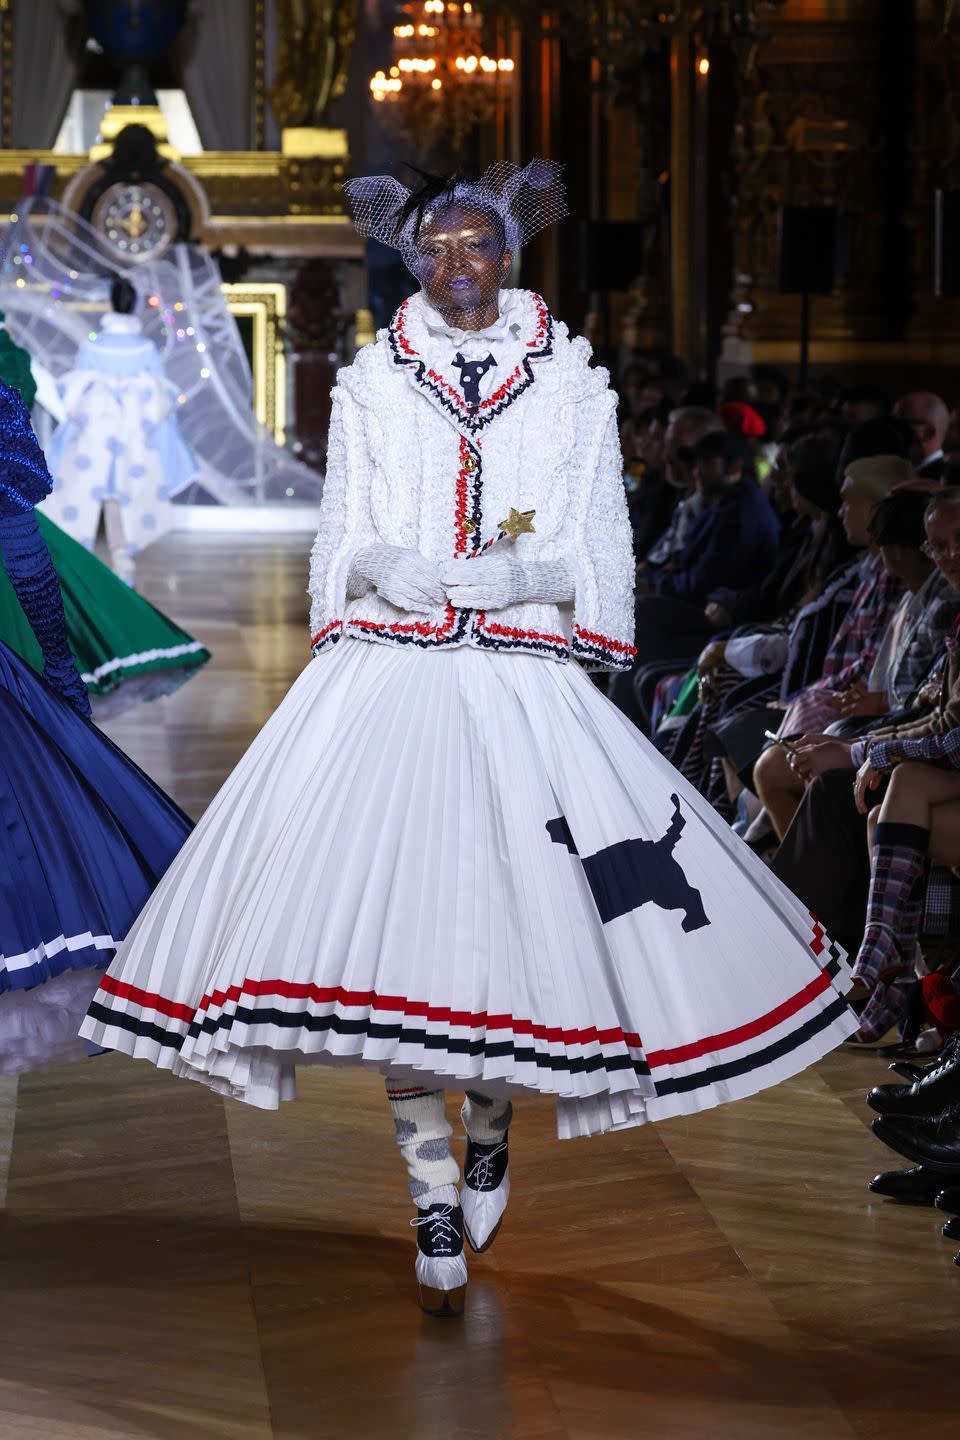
(632, 873)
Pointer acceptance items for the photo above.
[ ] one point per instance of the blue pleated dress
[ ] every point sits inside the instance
(85, 835)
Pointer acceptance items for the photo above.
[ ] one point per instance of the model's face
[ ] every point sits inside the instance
(463, 263)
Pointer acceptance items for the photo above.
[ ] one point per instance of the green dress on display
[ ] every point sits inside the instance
(126, 648)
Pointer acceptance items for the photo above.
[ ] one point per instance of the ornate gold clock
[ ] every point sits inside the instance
(137, 220)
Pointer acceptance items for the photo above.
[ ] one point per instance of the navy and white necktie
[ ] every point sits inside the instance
(471, 373)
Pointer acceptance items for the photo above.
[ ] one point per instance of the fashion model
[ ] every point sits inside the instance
(447, 856)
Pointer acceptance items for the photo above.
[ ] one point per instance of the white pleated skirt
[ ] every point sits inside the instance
(468, 869)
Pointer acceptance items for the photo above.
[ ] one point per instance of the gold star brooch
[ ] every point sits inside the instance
(518, 522)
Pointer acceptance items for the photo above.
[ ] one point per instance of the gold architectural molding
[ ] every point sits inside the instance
(265, 305)
(259, 74)
(264, 200)
(316, 38)
(118, 117)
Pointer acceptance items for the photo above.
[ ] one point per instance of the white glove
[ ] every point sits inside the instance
(494, 581)
(404, 577)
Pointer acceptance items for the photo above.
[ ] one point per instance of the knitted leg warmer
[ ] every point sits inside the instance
(423, 1134)
(486, 1118)
(895, 903)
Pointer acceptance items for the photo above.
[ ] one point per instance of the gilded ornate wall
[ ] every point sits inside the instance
(843, 109)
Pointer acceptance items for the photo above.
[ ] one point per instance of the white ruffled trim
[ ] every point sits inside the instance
(144, 657)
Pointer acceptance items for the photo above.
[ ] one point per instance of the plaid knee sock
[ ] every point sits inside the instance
(887, 1006)
(895, 904)
(423, 1134)
(486, 1119)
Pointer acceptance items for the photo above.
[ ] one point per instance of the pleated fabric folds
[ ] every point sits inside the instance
(86, 836)
(471, 869)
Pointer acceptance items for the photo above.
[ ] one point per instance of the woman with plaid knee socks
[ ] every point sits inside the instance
(918, 821)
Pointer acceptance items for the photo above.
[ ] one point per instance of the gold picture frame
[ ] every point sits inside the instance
(265, 304)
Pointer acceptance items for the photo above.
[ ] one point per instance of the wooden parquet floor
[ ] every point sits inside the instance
(178, 1267)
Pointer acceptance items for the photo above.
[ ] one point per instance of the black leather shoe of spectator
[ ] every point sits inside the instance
(908, 1070)
(913, 1070)
(949, 1200)
(951, 1230)
(938, 1088)
(910, 1187)
(933, 1142)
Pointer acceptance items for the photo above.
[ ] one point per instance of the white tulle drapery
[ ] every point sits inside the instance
(54, 288)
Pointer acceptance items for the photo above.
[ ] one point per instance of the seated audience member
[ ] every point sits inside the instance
(642, 401)
(865, 484)
(823, 857)
(644, 409)
(732, 541)
(928, 418)
(886, 436)
(861, 598)
(951, 441)
(859, 403)
(742, 419)
(700, 395)
(684, 429)
(772, 387)
(805, 494)
(915, 637)
(918, 820)
(808, 594)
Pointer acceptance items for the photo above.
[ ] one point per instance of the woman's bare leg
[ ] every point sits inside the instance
(778, 787)
(916, 790)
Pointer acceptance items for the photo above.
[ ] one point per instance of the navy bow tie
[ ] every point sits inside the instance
(471, 373)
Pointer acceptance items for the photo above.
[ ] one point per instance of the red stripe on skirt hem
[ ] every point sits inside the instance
(368, 999)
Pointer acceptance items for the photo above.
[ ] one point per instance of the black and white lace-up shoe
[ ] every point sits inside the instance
(486, 1190)
(441, 1266)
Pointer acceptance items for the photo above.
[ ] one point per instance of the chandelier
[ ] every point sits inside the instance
(442, 82)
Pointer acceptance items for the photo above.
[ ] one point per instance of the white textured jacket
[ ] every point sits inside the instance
(410, 463)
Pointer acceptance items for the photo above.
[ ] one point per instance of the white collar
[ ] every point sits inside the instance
(506, 326)
(115, 324)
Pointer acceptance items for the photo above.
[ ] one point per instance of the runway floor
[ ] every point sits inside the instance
(174, 1266)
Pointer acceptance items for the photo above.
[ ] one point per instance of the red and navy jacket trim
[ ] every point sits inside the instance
(471, 418)
(593, 649)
